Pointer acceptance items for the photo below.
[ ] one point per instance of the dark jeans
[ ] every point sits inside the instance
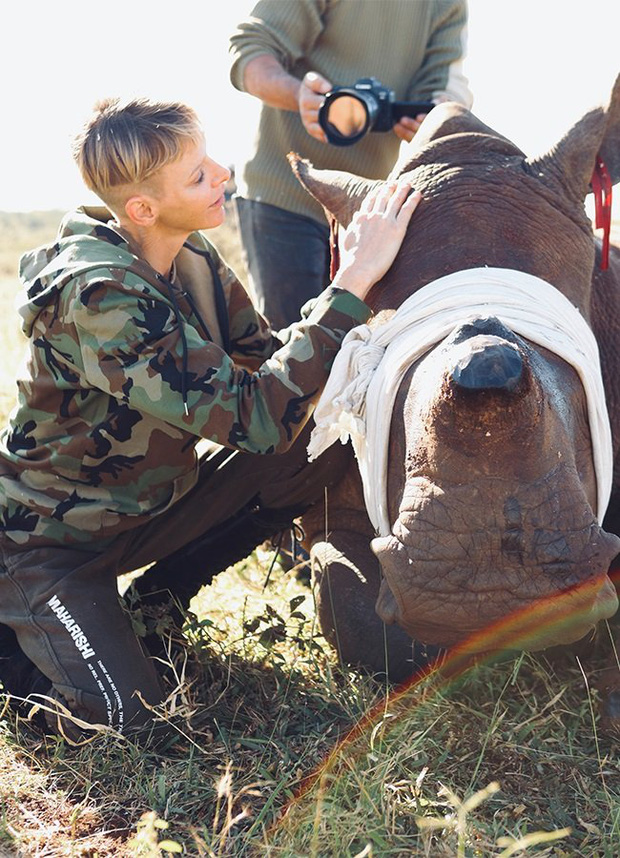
(63, 603)
(287, 257)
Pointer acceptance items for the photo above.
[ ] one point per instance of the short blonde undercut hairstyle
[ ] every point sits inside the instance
(125, 142)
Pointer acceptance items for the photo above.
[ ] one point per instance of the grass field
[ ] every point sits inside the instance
(277, 750)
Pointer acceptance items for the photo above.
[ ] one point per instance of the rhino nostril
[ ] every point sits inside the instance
(490, 363)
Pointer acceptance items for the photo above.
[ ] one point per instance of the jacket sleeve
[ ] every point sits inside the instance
(136, 349)
(287, 31)
(441, 75)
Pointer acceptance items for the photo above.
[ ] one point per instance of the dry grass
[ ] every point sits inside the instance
(276, 750)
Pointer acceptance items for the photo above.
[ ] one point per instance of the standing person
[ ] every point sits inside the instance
(141, 343)
(289, 53)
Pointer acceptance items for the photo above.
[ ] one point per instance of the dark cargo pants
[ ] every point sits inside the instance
(63, 603)
(287, 257)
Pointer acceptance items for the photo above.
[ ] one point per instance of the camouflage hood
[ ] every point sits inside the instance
(86, 241)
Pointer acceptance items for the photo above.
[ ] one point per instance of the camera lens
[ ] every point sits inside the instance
(344, 118)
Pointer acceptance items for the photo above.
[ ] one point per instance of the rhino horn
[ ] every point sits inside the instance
(339, 193)
(598, 132)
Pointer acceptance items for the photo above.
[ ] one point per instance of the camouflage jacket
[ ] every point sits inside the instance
(124, 375)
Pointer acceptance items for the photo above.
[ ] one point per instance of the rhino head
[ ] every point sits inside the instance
(492, 489)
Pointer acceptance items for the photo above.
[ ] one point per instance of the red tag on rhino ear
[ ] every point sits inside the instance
(601, 186)
(334, 262)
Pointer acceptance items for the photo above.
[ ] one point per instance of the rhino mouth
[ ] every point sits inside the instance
(526, 576)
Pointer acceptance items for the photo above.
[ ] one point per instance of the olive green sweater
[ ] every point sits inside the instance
(414, 47)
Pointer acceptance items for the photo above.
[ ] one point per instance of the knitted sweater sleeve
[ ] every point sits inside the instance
(441, 75)
(287, 31)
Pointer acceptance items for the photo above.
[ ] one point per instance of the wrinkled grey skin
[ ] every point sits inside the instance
(491, 481)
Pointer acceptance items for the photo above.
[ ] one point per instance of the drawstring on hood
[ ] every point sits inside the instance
(179, 318)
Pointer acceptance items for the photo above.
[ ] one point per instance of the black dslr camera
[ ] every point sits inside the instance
(349, 112)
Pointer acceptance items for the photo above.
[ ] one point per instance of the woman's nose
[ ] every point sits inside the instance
(224, 174)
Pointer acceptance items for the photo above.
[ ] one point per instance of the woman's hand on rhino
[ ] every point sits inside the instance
(374, 236)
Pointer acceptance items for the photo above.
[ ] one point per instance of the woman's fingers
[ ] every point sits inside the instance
(390, 197)
(377, 199)
(375, 234)
(403, 203)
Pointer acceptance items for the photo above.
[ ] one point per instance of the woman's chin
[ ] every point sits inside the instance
(215, 218)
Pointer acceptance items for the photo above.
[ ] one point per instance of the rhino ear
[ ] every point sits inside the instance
(598, 132)
(339, 193)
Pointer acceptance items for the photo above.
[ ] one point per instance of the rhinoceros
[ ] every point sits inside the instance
(501, 487)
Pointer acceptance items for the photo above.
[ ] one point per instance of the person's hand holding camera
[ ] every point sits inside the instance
(407, 127)
(311, 92)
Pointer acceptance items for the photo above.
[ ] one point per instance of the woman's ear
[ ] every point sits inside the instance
(141, 210)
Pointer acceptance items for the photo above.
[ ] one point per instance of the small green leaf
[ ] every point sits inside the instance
(170, 846)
